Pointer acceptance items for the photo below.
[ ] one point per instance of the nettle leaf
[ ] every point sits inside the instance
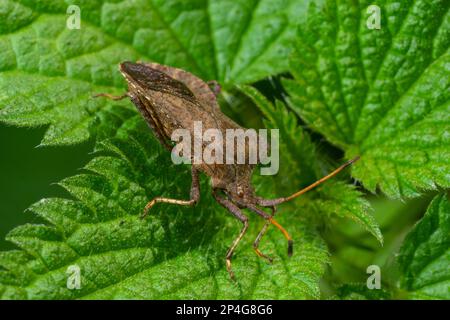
(425, 254)
(301, 165)
(359, 291)
(48, 72)
(175, 253)
(380, 93)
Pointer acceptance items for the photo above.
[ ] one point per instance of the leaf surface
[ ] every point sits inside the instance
(48, 72)
(383, 94)
(425, 254)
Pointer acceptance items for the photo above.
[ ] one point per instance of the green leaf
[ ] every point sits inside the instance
(48, 73)
(425, 254)
(359, 291)
(175, 253)
(353, 250)
(383, 94)
(301, 165)
(346, 201)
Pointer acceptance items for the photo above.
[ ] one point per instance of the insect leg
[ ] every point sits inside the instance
(258, 239)
(270, 220)
(215, 87)
(262, 232)
(238, 214)
(110, 96)
(273, 202)
(194, 197)
(260, 235)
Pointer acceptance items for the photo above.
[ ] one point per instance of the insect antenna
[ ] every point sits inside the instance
(272, 202)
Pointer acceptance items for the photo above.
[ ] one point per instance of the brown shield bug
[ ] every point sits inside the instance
(170, 99)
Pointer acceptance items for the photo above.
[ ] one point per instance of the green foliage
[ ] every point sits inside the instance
(425, 255)
(359, 291)
(48, 72)
(383, 94)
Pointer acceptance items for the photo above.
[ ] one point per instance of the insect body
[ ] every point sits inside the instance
(171, 99)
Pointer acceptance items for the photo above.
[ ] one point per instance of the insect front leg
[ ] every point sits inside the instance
(195, 196)
(239, 215)
(270, 220)
(260, 235)
(263, 230)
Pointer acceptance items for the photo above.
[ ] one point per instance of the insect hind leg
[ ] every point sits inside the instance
(110, 96)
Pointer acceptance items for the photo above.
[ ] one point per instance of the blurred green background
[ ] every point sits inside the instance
(28, 173)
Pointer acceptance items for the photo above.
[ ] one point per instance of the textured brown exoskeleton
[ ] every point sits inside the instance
(170, 99)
